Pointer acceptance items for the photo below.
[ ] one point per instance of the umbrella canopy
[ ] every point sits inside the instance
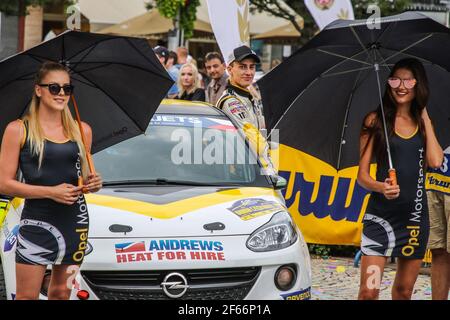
(319, 96)
(118, 81)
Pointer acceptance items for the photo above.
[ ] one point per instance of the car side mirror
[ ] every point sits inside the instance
(279, 183)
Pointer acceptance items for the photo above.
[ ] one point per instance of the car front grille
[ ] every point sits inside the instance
(205, 284)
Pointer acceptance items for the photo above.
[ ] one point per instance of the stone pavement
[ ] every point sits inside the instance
(337, 279)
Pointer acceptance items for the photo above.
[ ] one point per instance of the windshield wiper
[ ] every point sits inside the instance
(162, 181)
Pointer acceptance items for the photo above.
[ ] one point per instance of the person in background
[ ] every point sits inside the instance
(189, 84)
(199, 75)
(438, 193)
(236, 100)
(216, 68)
(182, 53)
(239, 103)
(202, 71)
(163, 55)
(171, 62)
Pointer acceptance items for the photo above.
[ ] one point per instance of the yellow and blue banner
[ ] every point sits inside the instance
(327, 205)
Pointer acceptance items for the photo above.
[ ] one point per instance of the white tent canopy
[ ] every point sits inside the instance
(111, 12)
(104, 13)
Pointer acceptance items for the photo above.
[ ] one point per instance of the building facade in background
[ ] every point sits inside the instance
(438, 10)
(43, 23)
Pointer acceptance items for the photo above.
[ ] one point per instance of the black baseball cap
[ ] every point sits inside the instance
(161, 51)
(241, 53)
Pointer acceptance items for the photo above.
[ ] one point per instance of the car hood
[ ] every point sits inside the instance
(174, 211)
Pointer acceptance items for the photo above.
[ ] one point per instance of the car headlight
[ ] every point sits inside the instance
(278, 233)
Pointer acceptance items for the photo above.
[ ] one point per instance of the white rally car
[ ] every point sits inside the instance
(181, 216)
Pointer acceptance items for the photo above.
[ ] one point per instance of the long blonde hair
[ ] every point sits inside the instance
(194, 75)
(36, 135)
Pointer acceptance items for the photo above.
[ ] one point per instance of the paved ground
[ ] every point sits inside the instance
(337, 279)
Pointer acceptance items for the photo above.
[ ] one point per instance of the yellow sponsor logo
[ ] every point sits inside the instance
(438, 182)
(251, 208)
(298, 295)
(413, 241)
(327, 205)
(79, 254)
(439, 179)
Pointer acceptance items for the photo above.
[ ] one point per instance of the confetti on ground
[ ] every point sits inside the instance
(340, 269)
(337, 279)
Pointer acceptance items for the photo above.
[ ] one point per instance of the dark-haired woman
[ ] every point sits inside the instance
(396, 220)
(46, 146)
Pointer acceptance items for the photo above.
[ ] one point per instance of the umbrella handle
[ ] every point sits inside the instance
(91, 170)
(83, 138)
(393, 177)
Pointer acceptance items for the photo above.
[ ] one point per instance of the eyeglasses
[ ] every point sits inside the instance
(55, 88)
(396, 82)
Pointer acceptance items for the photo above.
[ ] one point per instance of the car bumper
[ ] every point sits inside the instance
(102, 281)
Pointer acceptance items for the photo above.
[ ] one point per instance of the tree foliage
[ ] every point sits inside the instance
(18, 7)
(186, 8)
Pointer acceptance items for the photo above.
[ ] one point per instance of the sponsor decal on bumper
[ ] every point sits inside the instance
(298, 295)
(172, 250)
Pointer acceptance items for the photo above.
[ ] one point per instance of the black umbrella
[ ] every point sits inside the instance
(320, 95)
(119, 83)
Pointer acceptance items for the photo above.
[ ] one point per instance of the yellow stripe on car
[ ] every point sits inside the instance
(177, 208)
(185, 103)
(173, 209)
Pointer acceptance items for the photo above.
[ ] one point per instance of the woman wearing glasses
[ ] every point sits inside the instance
(46, 146)
(396, 220)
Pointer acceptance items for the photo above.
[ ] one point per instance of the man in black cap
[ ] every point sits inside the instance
(163, 55)
(239, 103)
(236, 100)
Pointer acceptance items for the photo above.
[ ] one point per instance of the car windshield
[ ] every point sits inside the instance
(183, 149)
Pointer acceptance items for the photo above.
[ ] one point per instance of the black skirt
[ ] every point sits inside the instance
(53, 233)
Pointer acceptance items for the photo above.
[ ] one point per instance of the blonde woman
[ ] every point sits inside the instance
(46, 146)
(189, 84)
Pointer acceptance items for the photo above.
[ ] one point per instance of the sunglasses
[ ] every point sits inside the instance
(55, 88)
(396, 82)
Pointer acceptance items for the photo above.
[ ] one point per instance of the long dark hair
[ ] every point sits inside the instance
(375, 129)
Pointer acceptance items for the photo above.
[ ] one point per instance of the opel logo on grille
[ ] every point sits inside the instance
(174, 285)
